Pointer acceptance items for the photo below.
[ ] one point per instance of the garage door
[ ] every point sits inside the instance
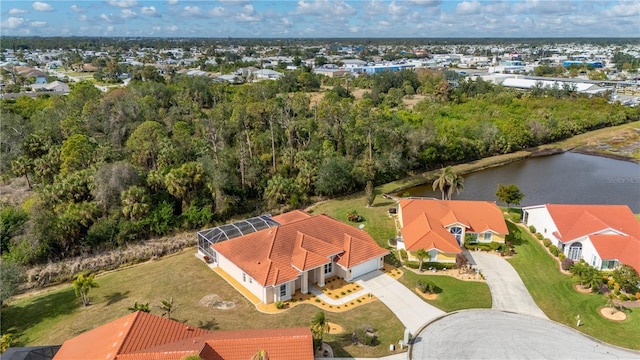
(364, 268)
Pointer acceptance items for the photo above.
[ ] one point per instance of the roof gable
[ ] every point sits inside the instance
(575, 221)
(625, 249)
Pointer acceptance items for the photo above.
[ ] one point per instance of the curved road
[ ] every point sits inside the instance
(491, 334)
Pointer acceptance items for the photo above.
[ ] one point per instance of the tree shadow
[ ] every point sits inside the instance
(208, 324)
(384, 203)
(116, 297)
(17, 318)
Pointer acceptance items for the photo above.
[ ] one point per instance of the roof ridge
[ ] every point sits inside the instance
(136, 317)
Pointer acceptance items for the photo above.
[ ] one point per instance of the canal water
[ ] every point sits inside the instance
(567, 178)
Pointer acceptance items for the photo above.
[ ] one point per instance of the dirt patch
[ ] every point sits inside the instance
(581, 289)
(215, 302)
(14, 191)
(426, 296)
(612, 314)
(334, 328)
(412, 100)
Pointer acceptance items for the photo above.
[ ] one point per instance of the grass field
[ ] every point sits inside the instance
(455, 294)
(554, 294)
(54, 316)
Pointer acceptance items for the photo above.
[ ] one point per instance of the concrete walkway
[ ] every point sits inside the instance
(412, 311)
(508, 292)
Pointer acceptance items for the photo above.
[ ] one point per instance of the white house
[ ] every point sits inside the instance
(605, 236)
(272, 257)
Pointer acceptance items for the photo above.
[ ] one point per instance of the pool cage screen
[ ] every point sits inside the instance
(208, 237)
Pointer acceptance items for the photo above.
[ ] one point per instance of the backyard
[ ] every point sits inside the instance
(54, 316)
(554, 294)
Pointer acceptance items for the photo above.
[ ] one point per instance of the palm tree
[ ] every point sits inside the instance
(319, 326)
(139, 307)
(592, 279)
(82, 283)
(261, 355)
(448, 182)
(167, 306)
(421, 254)
(443, 182)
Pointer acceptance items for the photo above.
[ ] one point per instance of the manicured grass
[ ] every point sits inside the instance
(455, 294)
(553, 292)
(54, 316)
(376, 218)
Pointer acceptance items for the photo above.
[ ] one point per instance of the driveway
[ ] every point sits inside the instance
(412, 311)
(490, 334)
(508, 292)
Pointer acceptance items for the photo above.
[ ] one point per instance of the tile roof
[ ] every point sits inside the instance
(291, 216)
(574, 221)
(613, 229)
(424, 222)
(130, 333)
(269, 255)
(154, 338)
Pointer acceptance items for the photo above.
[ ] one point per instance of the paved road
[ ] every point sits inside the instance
(508, 292)
(491, 334)
(412, 311)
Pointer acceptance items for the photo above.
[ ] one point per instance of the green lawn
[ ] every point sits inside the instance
(554, 294)
(455, 294)
(54, 316)
(376, 218)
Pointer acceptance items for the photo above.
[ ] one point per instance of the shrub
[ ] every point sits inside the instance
(554, 250)
(623, 297)
(427, 265)
(546, 242)
(567, 264)
(561, 256)
(638, 295)
(539, 236)
(366, 337)
(426, 286)
(403, 255)
(532, 229)
(353, 216)
(279, 304)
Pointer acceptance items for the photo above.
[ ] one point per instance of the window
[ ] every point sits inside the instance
(283, 290)
(487, 236)
(457, 233)
(575, 251)
(328, 268)
(244, 277)
(609, 264)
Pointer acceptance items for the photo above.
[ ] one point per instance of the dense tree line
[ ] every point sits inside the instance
(110, 168)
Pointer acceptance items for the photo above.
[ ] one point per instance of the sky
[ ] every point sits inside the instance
(322, 18)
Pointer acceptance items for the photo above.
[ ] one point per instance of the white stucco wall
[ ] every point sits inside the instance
(251, 284)
(539, 217)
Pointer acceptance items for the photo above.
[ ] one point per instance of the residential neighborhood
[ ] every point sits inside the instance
(223, 199)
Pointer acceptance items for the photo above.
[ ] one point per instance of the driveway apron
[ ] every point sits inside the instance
(412, 311)
(508, 292)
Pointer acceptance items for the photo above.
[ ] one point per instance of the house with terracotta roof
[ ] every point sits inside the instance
(143, 336)
(441, 226)
(276, 256)
(605, 236)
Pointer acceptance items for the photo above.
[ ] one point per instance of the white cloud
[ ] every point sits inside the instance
(38, 23)
(15, 11)
(172, 2)
(106, 18)
(172, 28)
(235, 2)
(218, 11)
(325, 8)
(624, 9)
(77, 9)
(149, 11)
(467, 7)
(426, 3)
(110, 28)
(83, 18)
(123, 3)
(128, 14)
(42, 6)
(397, 10)
(192, 11)
(13, 22)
